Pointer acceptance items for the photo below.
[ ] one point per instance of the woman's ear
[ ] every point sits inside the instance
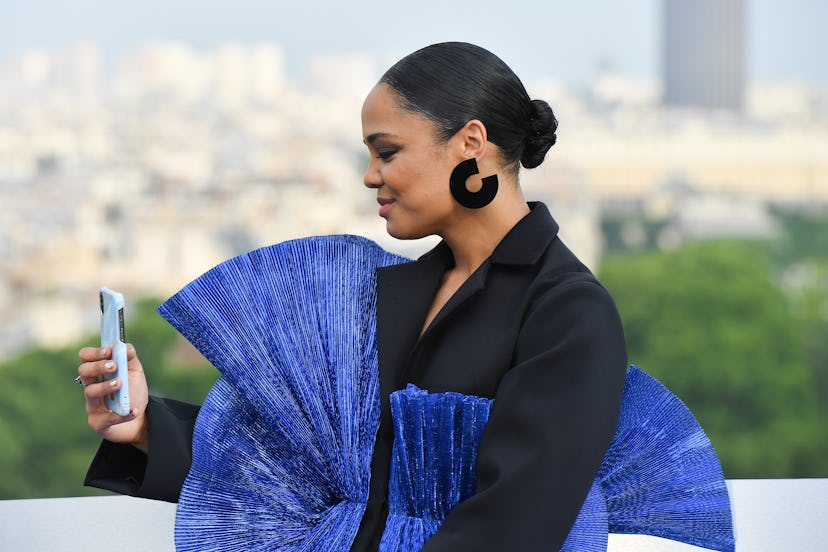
(474, 139)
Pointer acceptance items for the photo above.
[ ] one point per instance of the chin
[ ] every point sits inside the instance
(402, 233)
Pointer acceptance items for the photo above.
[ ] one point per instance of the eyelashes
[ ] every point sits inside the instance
(386, 153)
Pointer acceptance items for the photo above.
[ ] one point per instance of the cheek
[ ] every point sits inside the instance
(420, 180)
(438, 183)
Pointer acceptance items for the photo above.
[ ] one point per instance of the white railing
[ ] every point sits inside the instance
(769, 515)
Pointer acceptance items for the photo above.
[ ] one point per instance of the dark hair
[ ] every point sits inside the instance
(454, 82)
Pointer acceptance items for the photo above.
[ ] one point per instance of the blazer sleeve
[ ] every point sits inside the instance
(160, 474)
(554, 416)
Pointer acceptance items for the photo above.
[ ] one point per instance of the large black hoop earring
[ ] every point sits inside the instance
(462, 195)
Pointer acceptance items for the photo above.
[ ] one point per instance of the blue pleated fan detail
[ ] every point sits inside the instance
(661, 475)
(283, 443)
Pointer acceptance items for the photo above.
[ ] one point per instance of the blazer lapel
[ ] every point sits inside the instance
(404, 295)
(405, 292)
(475, 283)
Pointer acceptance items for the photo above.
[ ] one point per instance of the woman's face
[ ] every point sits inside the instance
(409, 166)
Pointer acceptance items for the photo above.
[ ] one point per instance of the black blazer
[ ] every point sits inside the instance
(531, 328)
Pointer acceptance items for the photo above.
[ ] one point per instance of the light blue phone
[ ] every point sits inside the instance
(112, 335)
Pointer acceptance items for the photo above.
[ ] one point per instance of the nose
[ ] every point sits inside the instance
(372, 178)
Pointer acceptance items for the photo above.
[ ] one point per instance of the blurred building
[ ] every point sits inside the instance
(703, 60)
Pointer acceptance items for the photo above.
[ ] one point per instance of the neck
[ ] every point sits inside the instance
(476, 233)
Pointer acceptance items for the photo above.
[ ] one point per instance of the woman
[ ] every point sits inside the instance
(499, 309)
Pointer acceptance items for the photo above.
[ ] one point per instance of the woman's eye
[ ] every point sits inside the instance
(386, 153)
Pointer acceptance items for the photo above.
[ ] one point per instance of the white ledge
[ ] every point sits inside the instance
(768, 515)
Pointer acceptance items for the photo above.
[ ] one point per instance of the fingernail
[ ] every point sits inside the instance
(102, 352)
(113, 382)
(109, 365)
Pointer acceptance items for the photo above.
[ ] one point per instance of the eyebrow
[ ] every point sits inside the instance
(371, 138)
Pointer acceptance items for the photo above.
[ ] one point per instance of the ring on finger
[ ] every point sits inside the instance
(79, 381)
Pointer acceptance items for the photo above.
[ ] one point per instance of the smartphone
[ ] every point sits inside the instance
(112, 335)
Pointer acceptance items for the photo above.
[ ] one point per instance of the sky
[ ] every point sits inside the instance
(562, 39)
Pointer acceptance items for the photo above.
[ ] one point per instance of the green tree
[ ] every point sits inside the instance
(710, 322)
(804, 237)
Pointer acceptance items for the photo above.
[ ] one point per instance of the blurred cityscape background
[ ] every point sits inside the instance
(695, 190)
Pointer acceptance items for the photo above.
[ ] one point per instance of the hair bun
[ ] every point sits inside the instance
(540, 134)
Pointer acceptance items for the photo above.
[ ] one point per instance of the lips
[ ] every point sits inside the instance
(385, 205)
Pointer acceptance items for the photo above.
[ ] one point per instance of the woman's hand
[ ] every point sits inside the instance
(131, 429)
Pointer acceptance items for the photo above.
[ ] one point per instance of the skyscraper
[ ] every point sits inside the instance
(703, 60)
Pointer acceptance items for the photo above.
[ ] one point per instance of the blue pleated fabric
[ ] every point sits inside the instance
(433, 462)
(661, 475)
(283, 443)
